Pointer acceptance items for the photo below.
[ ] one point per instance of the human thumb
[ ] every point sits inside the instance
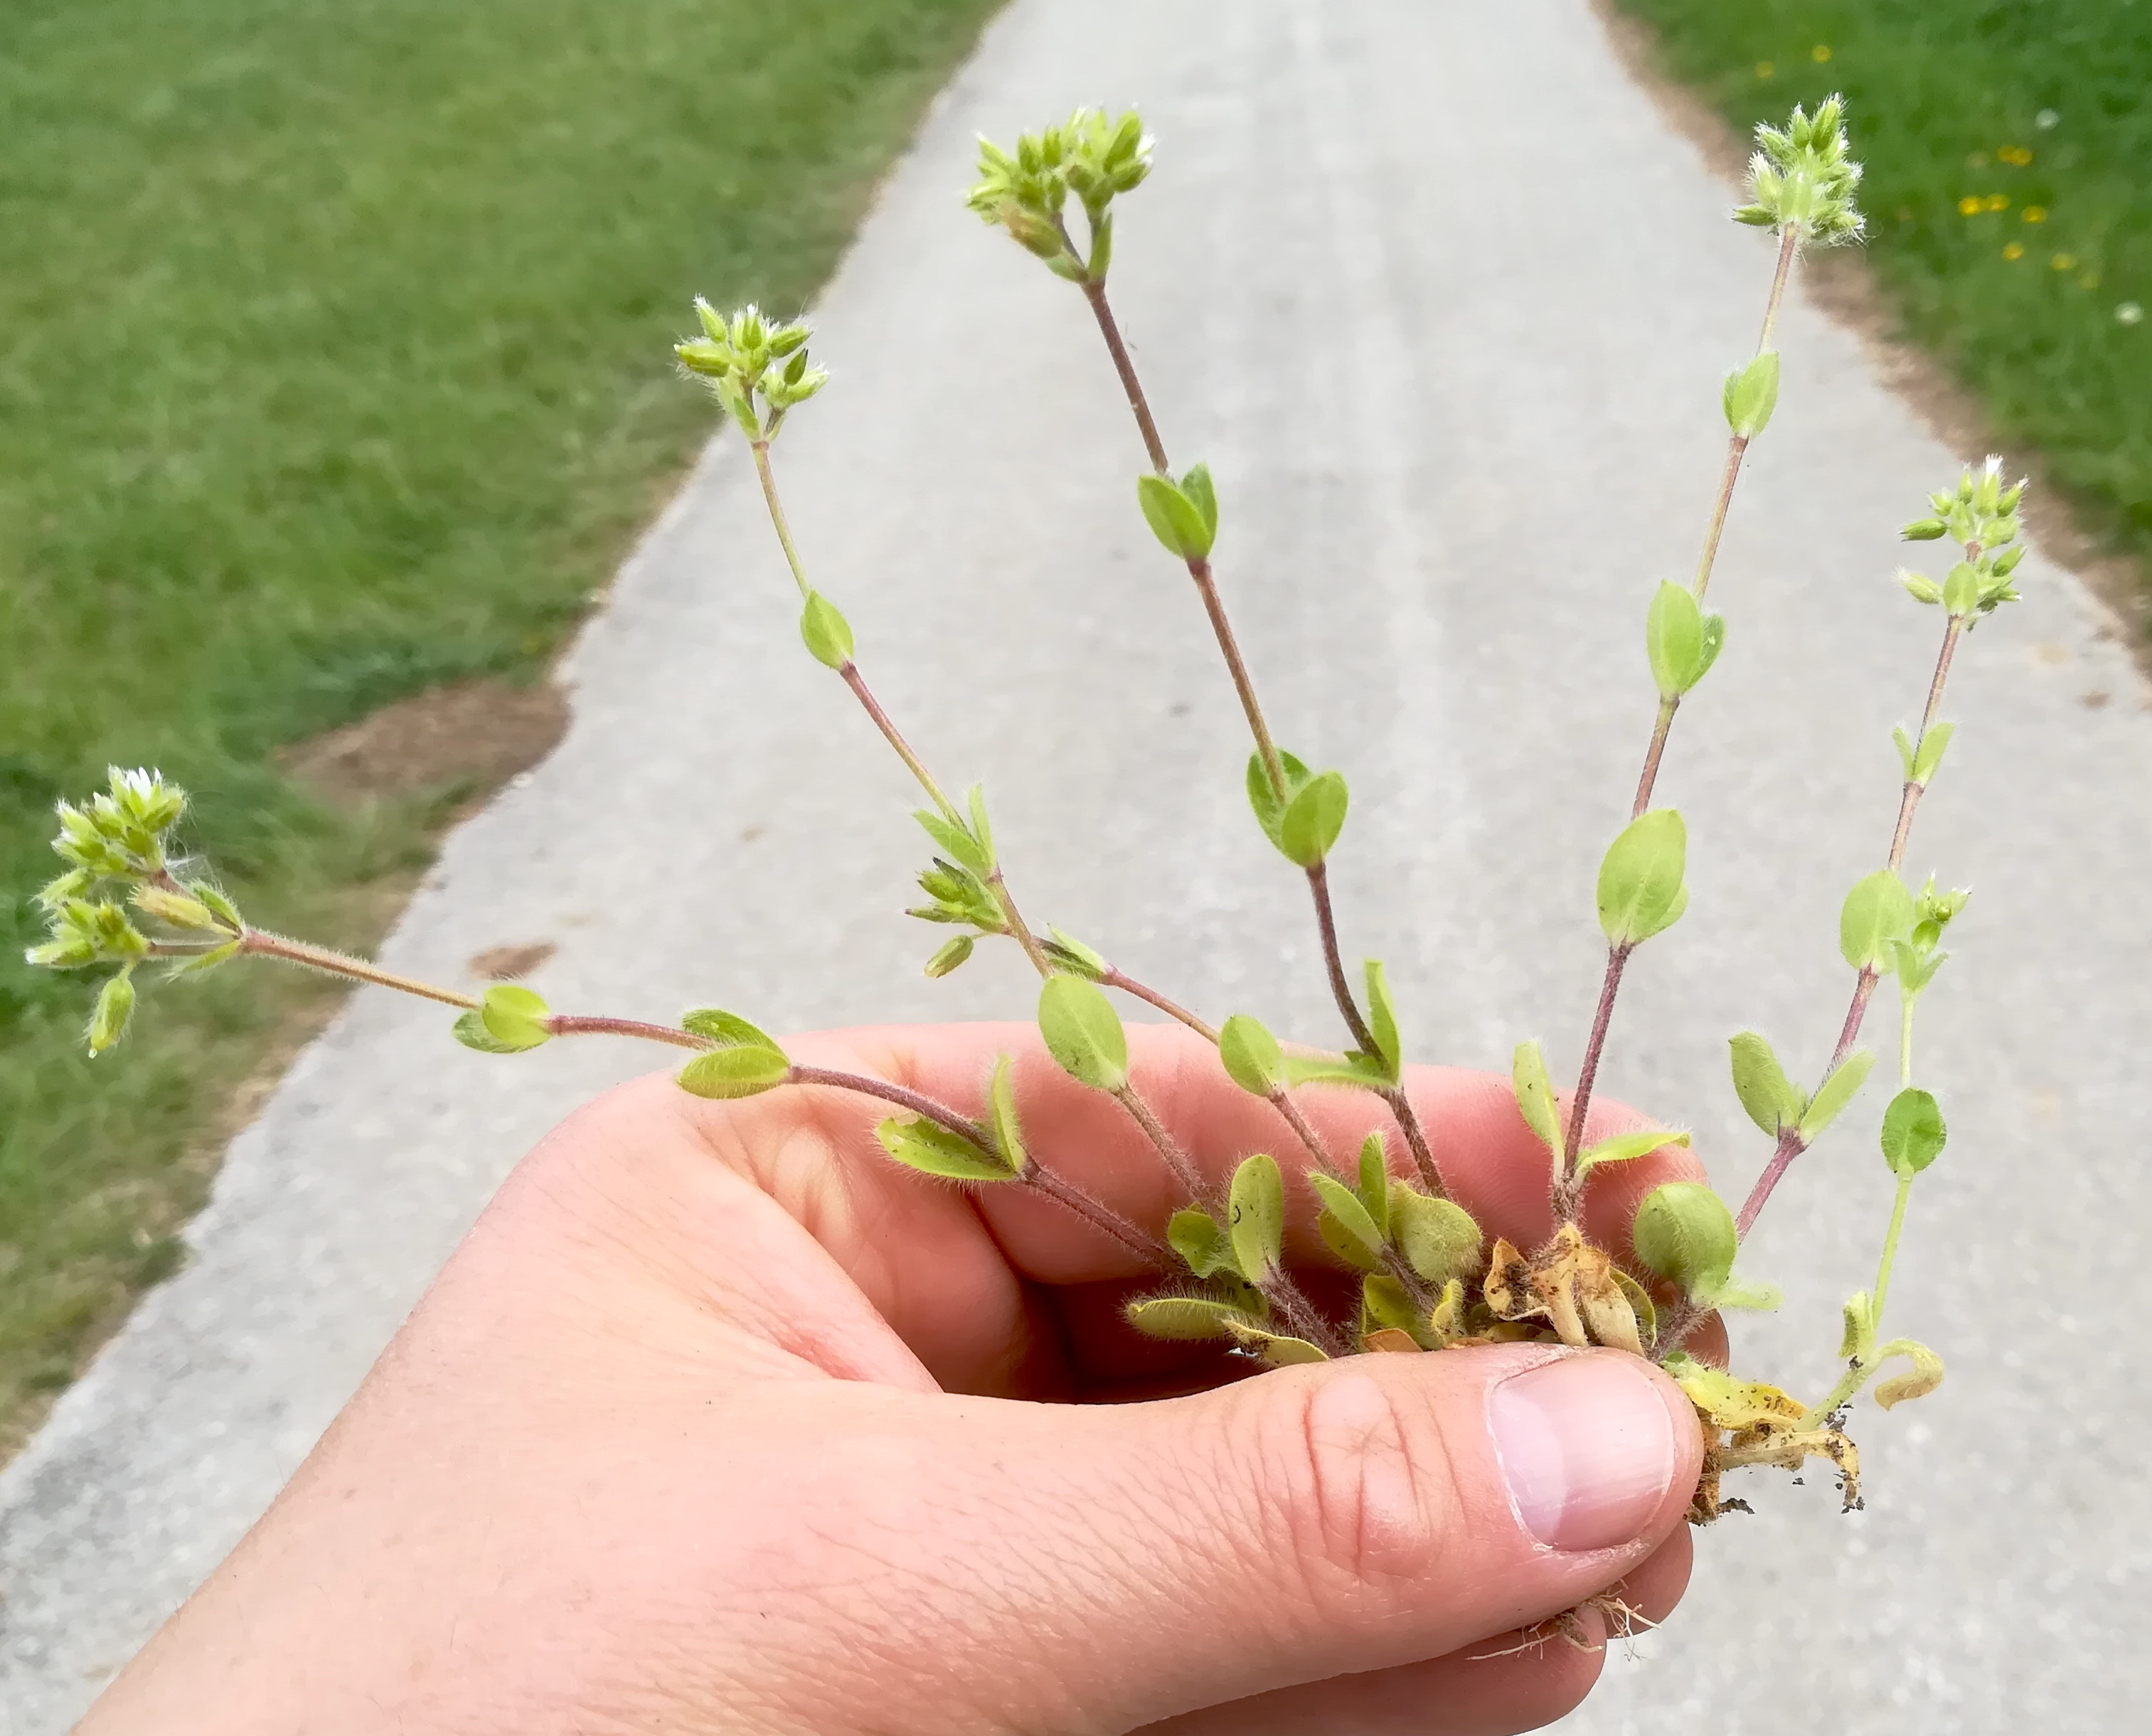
(1139, 1560)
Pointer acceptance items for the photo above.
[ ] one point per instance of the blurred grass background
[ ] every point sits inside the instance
(333, 365)
(2008, 150)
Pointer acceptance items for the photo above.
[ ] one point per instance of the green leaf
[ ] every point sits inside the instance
(1382, 1023)
(1343, 1206)
(1640, 1304)
(1313, 819)
(1176, 519)
(1001, 1116)
(1684, 1233)
(1673, 637)
(1195, 1235)
(1197, 485)
(1375, 1180)
(744, 1070)
(1929, 760)
(221, 905)
(1639, 879)
(469, 1030)
(1904, 743)
(932, 1149)
(1751, 394)
(514, 1016)
(1536, 1097)
(1622, 1147)
(1251, 1056)
(1438, 1238)
(975, 799)
(1774, 1102)
(1256, 1220)
(1878, 911)
(1834, 1093)
(1358, 1070)
(1385, 1303)
(1276, 1350)
(1913, 1133)
(210, 960)
(1186, 1318)
(1344, 1244)
(1714, 642)
(827, 634)
(1269, 805)
(1926, 1376)
(1961, 588)
(724, 1028)
(1083, 1032)
(1073, 955)
(949, 956)
(956, 841)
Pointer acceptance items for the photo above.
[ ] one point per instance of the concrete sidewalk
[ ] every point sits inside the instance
(1445, 304)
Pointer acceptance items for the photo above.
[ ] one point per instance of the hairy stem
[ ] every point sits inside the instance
(1617, 959)
(570, 1024)
(850, 671)
(761, 450)
(260, 943)
(1128, 985)
(1790, 1143)
(1282, 1293)
(1164, 1142)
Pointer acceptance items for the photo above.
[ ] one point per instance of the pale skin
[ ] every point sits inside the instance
(720, 1422)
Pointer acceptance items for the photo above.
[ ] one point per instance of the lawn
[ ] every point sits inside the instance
(332, 367)
(2008, 148)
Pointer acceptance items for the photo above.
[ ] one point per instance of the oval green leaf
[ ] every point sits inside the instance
(1082, 1033)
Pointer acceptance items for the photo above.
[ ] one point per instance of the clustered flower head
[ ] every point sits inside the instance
(1090, 154)
(751, 353)
(1803, 178)
(1982, 514)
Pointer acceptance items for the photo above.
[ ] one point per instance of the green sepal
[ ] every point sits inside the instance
(1624, 1146)
(1878, 909)
(745, 1069)
(1535, 1099)
(1002, 1121)
(1834, 1093)
(1187, 1319)
(1083, 1032)
(1361, 1239)
(1196, 1236)
(1175, 516)
(1641, 892)
(1251, 1056)
(932, 1149)
(1751, 394)
(1685, 1234)
(1923, 530)
(1914, 1133)
(1382, 1024)
(827, 634)
(1255, 1219)
(727, 1030)
(1438, 1238)
(109, 1018)
(1774, 1102)
(947, 956)
(1312, 819)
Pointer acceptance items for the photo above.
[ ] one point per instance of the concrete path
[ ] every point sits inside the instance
(1445, 304)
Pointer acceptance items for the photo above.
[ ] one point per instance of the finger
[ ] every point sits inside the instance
(1314, 1523)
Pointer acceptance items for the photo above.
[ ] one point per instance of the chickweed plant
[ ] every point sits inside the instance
(1428, 1279)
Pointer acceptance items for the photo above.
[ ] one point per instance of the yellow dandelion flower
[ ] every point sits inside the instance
(1820, 53)
(2064, 261)
(1998, 201)
(1764, 69)
(1969, 205)
(2016, 250)
(2034, 214)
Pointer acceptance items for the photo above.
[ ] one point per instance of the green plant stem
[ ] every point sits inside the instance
(1860, 1369)
(850, 672)
(1112, 977)
(260, 943)
(1790, 1144)
(761, 451)
(1036, 1175)
(1282, 1293)
(1566, 1192)
(1889, 1250)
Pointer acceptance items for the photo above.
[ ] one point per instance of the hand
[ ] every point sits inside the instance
(720, 1422)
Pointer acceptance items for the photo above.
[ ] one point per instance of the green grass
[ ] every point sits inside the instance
(334, 364)
(1939, 90)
